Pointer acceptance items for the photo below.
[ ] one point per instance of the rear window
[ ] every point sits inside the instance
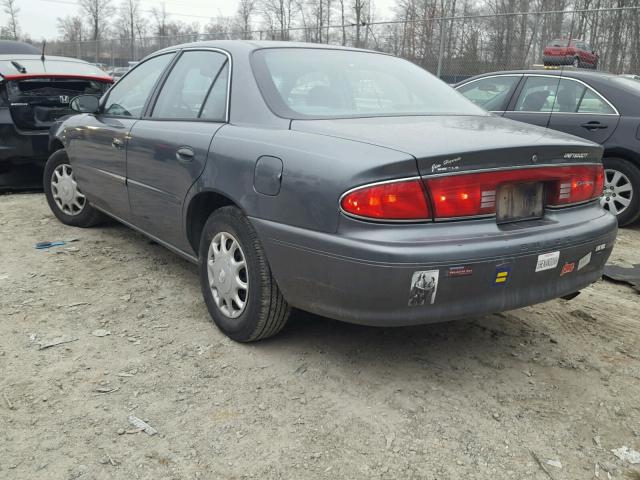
(322, 83)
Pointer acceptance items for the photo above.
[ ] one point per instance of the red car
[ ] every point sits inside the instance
(577, 53)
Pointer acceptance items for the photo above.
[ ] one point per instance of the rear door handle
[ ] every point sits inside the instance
(117, 143)
(185, 154)
(593, 125)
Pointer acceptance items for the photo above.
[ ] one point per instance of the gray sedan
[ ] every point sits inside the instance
(343, 182)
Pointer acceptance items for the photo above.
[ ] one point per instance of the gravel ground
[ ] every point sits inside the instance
(536, 393)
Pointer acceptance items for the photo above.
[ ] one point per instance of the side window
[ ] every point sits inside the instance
(568, 96)
(186, 88)
(128, 96)
(215, 106)
(537, 95)
(490, 93)
(592, 103)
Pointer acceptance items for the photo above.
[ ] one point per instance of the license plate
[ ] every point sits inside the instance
(519, 201)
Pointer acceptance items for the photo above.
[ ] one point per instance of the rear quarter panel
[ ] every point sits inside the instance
(317, 170)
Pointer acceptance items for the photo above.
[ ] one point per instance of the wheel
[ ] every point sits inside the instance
(576, 62)
(621, 195)
(64, 197)
(241, 294)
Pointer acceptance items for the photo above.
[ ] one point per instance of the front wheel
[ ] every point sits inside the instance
(241, 294)
(576, 62)
(66, 200)
(621, 194)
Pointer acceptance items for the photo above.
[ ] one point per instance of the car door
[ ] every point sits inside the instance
(491, 93)
(98, 153)
(581, 111)
(534, 100)
(167, 149)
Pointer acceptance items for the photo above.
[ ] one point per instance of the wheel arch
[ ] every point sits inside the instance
(200, 207)
(622, 153)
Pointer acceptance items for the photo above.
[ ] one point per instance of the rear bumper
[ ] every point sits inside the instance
(366, 274)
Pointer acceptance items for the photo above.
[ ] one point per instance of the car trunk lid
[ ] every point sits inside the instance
(455, 144)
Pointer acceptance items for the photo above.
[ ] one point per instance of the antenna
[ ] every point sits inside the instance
(44, 44)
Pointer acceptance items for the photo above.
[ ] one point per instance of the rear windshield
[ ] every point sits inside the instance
(632, 84)
(322, 83)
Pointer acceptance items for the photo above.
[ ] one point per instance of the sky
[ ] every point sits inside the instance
(37, 18)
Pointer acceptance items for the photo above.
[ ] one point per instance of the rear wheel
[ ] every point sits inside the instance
(621, 195)
(66, 200)
(241, 294)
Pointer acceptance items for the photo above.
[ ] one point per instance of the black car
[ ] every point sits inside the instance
(346, 183)
(34, 92)
(597, 106)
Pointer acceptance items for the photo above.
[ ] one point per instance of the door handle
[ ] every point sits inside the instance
(117, 143)
(185, 154)
(593, 125)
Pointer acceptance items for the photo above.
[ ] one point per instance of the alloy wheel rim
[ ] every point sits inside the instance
(227, 274)
(618, 191)
(64, 189)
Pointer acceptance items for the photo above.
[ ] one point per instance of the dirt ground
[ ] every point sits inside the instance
(537, 393)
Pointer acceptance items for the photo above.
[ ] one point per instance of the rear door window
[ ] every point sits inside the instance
(593, 103)
(129, 96)
(492, 93)
(188, 85)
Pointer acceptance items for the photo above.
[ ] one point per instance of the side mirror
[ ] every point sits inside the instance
(84, 104)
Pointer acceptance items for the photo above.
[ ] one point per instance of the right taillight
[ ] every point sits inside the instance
(578, 184)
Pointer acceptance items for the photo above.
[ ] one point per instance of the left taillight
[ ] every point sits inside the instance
(404, 200)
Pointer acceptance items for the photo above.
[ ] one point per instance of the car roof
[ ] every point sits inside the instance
(238, 46)
(11, 47)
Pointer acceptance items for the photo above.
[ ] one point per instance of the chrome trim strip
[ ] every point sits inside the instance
(173, 198)
(115, 176)
(514, 167)
(168, 246)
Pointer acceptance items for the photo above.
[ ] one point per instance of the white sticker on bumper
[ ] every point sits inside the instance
(584, 261)
(424, 285)
(547, 261)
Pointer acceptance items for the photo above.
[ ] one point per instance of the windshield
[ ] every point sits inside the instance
(305, 83)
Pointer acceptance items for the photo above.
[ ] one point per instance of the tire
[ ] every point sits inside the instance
(265, 311)
(625, 190)
(576, 62)
(81, 213)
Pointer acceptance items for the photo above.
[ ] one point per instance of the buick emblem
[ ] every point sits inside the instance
(64, 98)
(534, 158)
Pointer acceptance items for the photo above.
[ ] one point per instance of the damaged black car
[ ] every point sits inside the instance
(35, 90)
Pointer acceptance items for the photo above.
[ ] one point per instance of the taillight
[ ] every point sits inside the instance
(474, 194)
(401, 200)
(579, 184)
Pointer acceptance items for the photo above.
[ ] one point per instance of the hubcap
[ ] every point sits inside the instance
(65, 190)
(617, 193)
(227, 274)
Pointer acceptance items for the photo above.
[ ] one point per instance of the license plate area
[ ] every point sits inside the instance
(519, 201)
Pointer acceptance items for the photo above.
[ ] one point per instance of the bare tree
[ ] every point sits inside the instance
(98, 12)
(246, 9)
(12, 29)
(71, 28)
(130, 22)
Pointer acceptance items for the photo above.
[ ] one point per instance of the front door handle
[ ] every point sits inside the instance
(593, 125)
(185, 154)
(117, 143)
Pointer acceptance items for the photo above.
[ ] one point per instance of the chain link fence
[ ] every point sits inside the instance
(453, 48)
